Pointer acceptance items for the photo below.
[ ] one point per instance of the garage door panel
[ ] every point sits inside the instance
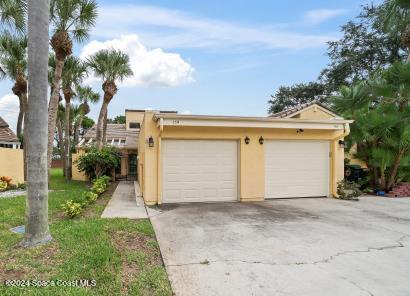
(296, 168)
(199, 170)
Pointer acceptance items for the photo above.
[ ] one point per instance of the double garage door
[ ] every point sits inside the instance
(207, 170)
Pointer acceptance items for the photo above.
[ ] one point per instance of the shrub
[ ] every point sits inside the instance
(72, 208)
(96, 163)
(90, 197)
(100, 184)
(348, 190)
(3, 185)
(21, 186)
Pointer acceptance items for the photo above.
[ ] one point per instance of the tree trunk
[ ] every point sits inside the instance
(382, 179)
(67, 142)
(25, 124)
(61, 143)
(53, 108)
(37, 229)
(20, 117)
(99, 132)
(105, 128)
(77, 128)
(394, 169)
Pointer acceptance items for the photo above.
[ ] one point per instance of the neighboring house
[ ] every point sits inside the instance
(198, 158)
(8, 138)
(11, 156)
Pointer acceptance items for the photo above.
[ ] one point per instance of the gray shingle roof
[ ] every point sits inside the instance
(290, 111)
(129, 138)
(6, 134)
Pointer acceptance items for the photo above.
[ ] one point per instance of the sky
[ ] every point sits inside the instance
(208, 57)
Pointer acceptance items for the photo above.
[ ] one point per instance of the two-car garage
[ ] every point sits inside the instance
(209, 170)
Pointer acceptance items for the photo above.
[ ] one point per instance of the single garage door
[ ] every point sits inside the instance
(199, 170)
(296, 168)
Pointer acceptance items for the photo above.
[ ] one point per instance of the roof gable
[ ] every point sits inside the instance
(313, 110)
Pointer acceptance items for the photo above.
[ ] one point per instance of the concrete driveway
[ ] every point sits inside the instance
(287, 247)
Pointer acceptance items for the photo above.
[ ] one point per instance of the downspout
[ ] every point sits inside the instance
(346, 132)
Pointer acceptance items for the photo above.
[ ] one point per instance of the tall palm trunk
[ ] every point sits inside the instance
(100, 123)
(25, 124)
(37, 229)
(61, 143)
(104, 140)
(77, 127)
(20, 117)
(67, 142)
(53, 108)
(110, 90)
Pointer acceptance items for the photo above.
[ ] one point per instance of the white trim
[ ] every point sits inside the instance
(290, 124)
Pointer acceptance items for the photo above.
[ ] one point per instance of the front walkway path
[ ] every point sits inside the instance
(125, 202)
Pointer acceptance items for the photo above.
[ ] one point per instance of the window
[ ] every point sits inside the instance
(135, 125)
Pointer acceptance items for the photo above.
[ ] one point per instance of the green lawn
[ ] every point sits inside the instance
(121, 255)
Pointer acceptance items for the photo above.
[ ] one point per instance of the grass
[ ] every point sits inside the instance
(122, 255)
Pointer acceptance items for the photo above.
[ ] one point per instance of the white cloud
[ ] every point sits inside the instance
(168, 28)
(9, 109)
(151, 67)
(321, 15)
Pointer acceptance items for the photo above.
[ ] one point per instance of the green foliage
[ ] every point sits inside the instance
(75, 17)
(348, 190)
(381, 128)
(96, 163)
(100, 184)
(3, 185)
(87, 123)
(365, 48)
(110, 65)
(290, 96)
(90, 197)
(120, 119)
(71, 208)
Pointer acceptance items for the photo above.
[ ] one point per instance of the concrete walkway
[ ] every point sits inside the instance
(126, 202)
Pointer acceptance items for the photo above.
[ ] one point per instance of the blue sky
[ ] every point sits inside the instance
(210, 57)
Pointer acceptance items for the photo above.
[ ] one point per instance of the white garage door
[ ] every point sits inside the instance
(199, 170)
(296, 168)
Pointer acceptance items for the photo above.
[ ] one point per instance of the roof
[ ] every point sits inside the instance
(117, 134)
(143, 110)
(295, 110)
(6, 134)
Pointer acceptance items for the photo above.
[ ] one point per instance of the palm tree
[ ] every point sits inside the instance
(71, 19)
(37, 230)
(13, 14)
(14, 64)
(74, 72)
(111, 65)
(84, 95)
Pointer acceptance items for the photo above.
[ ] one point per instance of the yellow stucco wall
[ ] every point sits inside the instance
(251, 157)
(12, 164)
(352, 159)
(133, 116)
(76, 175)
(313, 112)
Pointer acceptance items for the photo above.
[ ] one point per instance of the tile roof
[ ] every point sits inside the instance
(6, 134)
(290, 111)
(129, 138)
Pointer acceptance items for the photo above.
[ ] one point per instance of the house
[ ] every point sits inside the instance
(11, 156)
(202, 158)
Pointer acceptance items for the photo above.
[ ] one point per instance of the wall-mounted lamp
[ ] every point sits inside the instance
(261, 140)
(247, 140)
(341, 144)
(151, 141)
(301, 130)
